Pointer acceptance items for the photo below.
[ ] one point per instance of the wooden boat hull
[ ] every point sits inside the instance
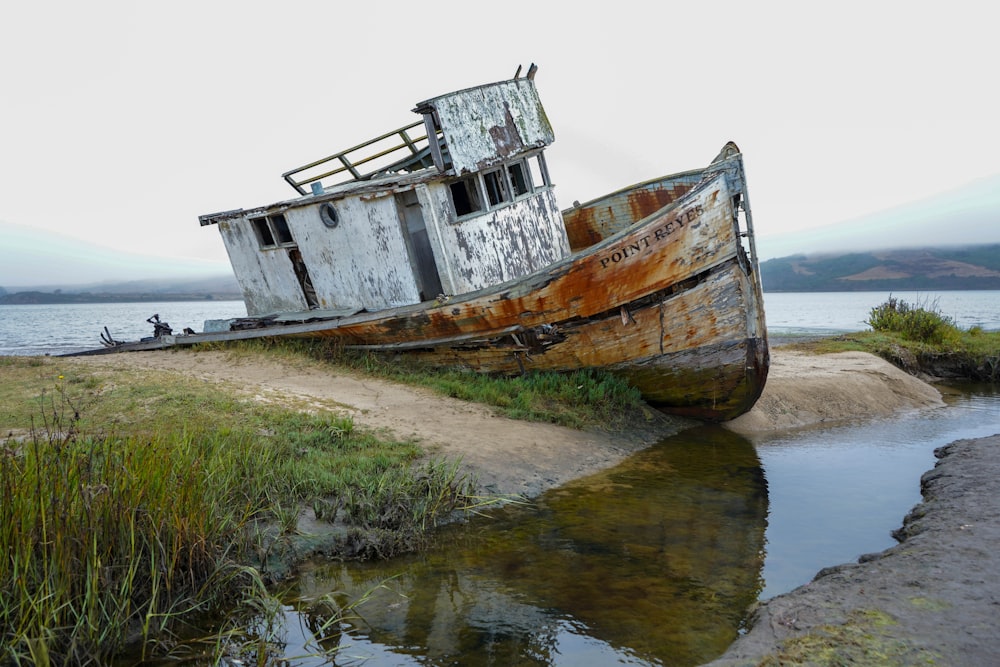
(659, 290)
(671, 303)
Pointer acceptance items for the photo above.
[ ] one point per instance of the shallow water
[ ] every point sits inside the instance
(837, 493)
(656, 561)
(660, 556)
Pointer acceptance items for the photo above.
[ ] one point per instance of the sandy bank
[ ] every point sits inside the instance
(931, 600)
(806, 389)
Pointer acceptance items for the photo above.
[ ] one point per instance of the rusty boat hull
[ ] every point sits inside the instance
(661, 288)
(667, 297)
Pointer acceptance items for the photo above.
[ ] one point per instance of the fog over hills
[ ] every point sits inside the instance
(974, 267)
(34, 260)
(966, 216)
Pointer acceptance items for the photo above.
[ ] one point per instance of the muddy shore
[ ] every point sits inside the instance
(933, 599)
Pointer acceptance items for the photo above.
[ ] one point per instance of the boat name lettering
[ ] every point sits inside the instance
(659, 234)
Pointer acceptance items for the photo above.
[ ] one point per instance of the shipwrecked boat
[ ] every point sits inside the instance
(444, 240)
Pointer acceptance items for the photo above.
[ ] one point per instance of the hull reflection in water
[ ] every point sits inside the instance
(655, 561)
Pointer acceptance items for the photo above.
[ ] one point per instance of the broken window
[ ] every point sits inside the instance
(263, 230)
(519, 179)
(497, 191)
(465, 196)
(281, 230)
(500, 186)
(539, 172)
(272, 231)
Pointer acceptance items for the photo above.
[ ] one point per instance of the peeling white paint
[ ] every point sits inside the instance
(483, 126)
(368, 259)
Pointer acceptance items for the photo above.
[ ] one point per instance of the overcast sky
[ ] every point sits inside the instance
(122, 121)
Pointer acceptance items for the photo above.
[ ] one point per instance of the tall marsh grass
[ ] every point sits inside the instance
(116, 530)
(115, 537)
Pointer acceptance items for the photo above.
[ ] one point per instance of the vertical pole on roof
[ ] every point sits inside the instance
(432, 140)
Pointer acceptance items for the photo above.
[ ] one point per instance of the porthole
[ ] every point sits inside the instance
(329, 215)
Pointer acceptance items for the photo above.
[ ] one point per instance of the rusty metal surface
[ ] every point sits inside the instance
(596, 220)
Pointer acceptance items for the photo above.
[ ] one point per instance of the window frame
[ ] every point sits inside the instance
(497, 187)
(272, 231)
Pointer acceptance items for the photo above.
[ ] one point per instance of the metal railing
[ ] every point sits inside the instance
(410, 154)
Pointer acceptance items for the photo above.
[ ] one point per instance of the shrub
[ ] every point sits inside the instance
(924, 324)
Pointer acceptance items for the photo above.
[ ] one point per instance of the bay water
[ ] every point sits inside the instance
(63, 328)
(54, 329)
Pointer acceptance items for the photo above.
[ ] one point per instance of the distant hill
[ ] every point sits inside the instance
(209, 288)
(944, 268)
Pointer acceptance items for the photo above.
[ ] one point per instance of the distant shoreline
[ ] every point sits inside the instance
(49, 298)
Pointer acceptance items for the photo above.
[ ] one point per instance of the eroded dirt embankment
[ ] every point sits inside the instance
(933, 599)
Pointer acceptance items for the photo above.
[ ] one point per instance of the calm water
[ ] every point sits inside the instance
(65, 328)
(654, 562)
(836, 312)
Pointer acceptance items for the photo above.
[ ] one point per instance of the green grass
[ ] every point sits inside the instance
(918, 338)
(131, 501)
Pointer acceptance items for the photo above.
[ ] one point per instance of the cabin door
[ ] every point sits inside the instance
(302, 275)
(419, 245)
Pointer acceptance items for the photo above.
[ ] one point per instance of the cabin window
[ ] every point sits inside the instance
(497, 191)
(281, 230)
(538, 171)
(465, 196)
(519, 182)
(499, 186)
(328, 214)
(272, 231)
(263, 230)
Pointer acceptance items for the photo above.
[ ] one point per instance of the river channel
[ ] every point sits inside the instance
(654, 562)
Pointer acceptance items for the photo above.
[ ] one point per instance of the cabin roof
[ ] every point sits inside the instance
(384, 183)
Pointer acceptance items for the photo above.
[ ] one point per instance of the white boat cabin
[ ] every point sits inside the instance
(467, 205)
